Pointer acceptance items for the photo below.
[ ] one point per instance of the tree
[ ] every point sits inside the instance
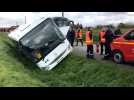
(121, 25)
(99, 26)
(111, 26)
(81, 27)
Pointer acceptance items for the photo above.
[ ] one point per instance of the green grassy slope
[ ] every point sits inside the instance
(16, 70)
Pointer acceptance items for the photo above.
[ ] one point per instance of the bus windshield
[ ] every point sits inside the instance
(44, 34)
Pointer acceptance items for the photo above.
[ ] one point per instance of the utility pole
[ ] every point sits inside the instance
(62, 14)
(16, 23)
(25, 19)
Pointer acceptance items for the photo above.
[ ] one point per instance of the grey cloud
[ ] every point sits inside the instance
(9, 22)
(103, 17)
(86, 18)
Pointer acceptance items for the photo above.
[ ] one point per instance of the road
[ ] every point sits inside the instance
(81, 51)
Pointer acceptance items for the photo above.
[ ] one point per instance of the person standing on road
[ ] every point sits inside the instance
(71, 36)
(79, 37)
(89, 43)
(102, 40)
(108, 40)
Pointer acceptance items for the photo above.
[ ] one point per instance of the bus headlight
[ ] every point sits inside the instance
(38, 55)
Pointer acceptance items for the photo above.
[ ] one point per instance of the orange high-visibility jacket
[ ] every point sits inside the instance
(79, 35)
(101, 35)
(89, 41)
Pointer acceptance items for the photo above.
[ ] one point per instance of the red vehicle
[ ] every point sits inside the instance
(123, 47)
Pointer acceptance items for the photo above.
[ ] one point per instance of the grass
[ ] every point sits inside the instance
(17, 71)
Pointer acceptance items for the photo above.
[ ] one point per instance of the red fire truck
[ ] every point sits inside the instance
(123, 47)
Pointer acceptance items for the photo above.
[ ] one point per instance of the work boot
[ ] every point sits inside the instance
(101, 53)
(87, 56)
(91, 56)
(106, 57)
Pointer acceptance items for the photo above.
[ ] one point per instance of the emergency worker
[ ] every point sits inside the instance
(71, 35)
(79, 37)
(102, 40)
(89, 43)
(108, 40)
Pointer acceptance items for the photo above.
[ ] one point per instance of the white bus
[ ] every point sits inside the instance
(44, 41)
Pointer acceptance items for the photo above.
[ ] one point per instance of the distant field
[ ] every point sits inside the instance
(76, 71)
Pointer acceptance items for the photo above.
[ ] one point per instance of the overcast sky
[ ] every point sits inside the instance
(85, 18)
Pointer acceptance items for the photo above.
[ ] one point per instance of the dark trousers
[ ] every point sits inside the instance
(71, 41)
(77, 40)
(102, 45)
(89, 50)
(108, 52)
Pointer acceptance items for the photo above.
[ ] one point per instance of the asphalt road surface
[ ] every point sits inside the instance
(81, 51)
